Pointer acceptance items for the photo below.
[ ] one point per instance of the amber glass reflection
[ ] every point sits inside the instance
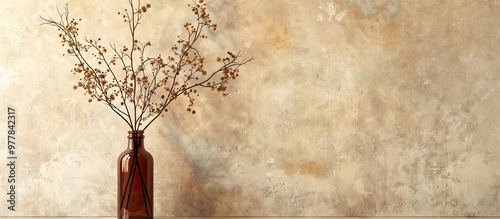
(135, 179)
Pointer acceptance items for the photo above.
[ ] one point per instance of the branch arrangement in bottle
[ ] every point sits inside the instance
(137, 87)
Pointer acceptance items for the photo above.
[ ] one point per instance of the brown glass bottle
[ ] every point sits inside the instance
(135, 179)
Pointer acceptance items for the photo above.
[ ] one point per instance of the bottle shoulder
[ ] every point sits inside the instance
(130, 153)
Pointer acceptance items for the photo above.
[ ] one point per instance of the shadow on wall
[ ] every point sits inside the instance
(204, 166)
(200, 192)
(198, 183)
(192, 198)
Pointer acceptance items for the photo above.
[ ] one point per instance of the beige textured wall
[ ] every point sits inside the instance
(350, 107)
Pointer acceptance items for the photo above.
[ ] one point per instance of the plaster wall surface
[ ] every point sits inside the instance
(349, 108)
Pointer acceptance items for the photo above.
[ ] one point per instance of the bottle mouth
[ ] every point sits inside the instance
(136, 134)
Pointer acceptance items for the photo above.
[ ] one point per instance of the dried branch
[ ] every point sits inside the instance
(137, 87)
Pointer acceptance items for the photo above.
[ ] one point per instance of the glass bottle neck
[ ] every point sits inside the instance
(136, 140)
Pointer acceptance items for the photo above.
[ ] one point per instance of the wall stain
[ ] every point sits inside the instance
(306, 168)
(377, 20)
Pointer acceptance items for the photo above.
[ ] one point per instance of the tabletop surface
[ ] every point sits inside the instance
(271, 217)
